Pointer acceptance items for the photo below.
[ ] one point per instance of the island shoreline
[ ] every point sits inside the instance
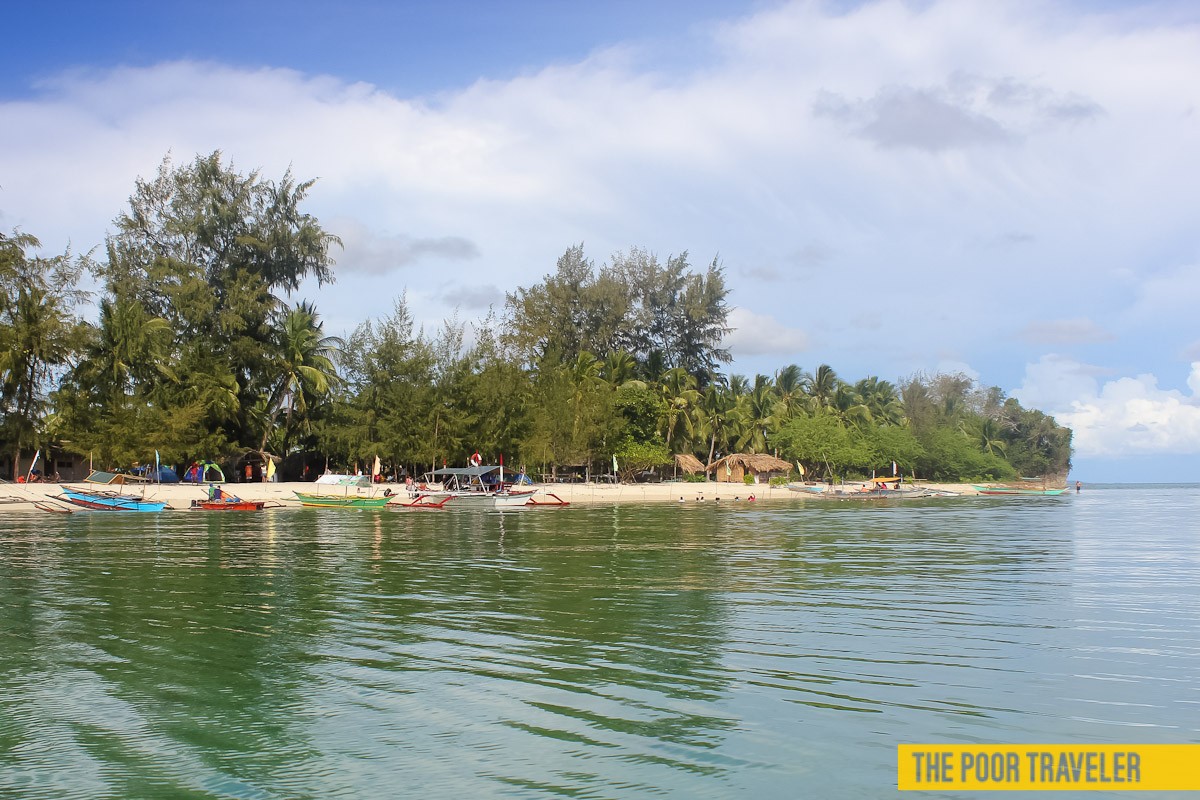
(18, 497)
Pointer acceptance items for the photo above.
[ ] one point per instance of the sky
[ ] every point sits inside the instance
(1007, 190)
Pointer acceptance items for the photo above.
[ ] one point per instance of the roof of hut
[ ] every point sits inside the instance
(755, 462)
(688, 463)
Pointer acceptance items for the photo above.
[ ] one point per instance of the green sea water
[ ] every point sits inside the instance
(685, 650)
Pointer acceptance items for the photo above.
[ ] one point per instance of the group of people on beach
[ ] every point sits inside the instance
(700, 499)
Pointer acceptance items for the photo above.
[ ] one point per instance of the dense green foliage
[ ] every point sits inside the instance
(197, 351)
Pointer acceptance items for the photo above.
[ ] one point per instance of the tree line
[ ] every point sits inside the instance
(198, 351)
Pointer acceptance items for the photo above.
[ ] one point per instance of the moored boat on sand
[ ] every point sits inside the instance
(108, 501)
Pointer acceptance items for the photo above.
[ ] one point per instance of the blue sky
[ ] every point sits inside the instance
(1003, 189)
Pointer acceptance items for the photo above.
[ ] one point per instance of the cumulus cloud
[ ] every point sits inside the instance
(1127, 416)
(761, 334)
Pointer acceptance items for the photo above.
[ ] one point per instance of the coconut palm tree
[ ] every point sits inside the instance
(678, 388)
(714, 414)
(790, 385)
(823, 387)
(881, 400)
(130, 347)
(620, 368)
(987, 435)
(38, 333)
(303, 363)
(738, 386)
(848, 404)
(757, 412)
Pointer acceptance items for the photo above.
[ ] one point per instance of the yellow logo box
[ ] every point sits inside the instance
(998, 767)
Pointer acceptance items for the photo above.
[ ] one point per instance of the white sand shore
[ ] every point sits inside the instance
(21, 497)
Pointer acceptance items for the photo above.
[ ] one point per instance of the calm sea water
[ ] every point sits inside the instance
(676, 651)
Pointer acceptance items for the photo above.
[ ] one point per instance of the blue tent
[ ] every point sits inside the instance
(164, 475)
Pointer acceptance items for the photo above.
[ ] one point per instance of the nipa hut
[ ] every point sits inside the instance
(688, 463)
(734, 468)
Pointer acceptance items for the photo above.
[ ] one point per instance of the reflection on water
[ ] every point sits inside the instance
(606, 652)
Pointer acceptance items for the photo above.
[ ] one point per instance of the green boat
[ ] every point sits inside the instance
(1012, 490)
(335, 501)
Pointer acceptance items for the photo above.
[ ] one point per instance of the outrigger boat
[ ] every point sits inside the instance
(1013, 490)
(229, 504)
(483, 487)
(218, 500)
(108, 501)
(871, 489)
(333, 501)
(346, 500)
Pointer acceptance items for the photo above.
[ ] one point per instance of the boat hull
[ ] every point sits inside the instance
(484, 499)
(333, 501)
(110, 501)
(229, 505)
(1006, 490)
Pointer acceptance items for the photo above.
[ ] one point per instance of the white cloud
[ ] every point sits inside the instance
(759, 334)
(884, 212)
(1120, 417)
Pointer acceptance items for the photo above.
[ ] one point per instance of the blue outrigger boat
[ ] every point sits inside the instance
(109, 501)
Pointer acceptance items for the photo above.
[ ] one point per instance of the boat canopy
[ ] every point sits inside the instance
(481, 478)
(464, 472)
(333, 479)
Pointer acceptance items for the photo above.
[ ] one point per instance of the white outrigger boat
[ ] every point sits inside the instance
(480, 487)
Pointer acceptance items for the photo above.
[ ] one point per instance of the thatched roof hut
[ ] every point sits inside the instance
(688, 463)
(734, 468)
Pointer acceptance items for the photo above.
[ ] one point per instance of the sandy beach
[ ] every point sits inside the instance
(22, 497)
